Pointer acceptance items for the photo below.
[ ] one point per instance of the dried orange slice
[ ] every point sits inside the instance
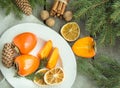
(39, 77)
(54, 76)
(70, 31)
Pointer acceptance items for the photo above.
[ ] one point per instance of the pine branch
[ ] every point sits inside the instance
(103, 70)
(101, 18)
(10, 6)
(86, 8)
(115, 16)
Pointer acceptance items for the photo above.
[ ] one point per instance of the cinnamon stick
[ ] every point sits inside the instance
(63, 9)
(55, 5)
(59, 7)
(54, 8)
(52, 13)
(67, 1)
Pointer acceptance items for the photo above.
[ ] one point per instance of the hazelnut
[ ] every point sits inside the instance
(68, 15)
(50, 22)
(44, 14)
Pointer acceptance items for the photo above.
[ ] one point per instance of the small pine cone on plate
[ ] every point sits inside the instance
(8, 54)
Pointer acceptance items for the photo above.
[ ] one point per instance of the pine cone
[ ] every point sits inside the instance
(8, 55)
(24, 6)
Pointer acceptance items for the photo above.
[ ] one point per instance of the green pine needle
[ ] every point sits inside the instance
(10, 6)
(43, 63)
(102, 18)
(105, 71)
(39, 75)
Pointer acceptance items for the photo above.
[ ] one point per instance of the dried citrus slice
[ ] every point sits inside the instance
(54, 76)
(39, 76)
(70, 31)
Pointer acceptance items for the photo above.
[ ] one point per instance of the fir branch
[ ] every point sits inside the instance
(118, 34)
(102, 18)
(103, 70)
(43, 63)
(39, 75)
(30, 77)
(87, 8)
(10, 6)
(115, 16)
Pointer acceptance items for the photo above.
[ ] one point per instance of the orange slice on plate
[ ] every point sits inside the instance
(54, 76)
(70, 31)
(39, 77)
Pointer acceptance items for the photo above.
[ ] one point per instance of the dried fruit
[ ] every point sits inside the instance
(39, 77)
(26, 64)
(54, 76)
(84, 47)
(45, 50)
(70, 31)
(53, 58)
(25, 42)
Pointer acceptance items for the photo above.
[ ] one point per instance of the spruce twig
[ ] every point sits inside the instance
(102, 18)
(103, 70)
(10, 6)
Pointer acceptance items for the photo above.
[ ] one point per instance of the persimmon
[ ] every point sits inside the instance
(25, 42)
(53, 58)
(26, 64)
(45, 50)
(85, 47)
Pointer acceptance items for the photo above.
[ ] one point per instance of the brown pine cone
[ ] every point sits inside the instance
(25, 6)
(8, 55)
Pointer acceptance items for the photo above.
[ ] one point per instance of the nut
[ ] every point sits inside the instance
(50, 22)
(68, 15)
(44, 14)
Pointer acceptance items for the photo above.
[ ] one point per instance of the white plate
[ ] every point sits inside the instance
(45, 33)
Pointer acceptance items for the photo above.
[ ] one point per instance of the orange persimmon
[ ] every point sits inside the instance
(26, 64)
(53, 58)
(25, 42)
(45, 50)
(84, 47)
